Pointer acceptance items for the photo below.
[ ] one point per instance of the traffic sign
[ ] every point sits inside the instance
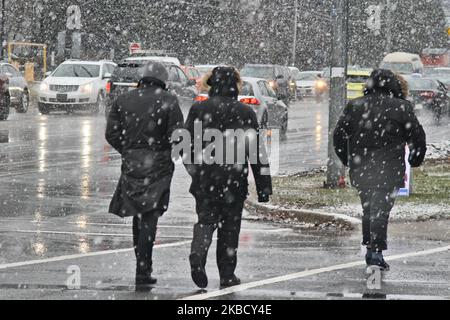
(134, 47)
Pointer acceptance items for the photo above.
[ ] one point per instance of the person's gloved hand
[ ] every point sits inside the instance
(263, 198)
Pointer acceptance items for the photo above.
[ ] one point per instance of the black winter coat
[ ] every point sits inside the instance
(226, 182)
(140, 127)
(373, 132)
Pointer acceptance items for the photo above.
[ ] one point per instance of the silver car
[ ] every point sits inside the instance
(19, 94)
(270, 110)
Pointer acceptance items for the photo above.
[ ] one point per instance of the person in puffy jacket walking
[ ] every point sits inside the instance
(220, 188)
(371, 138)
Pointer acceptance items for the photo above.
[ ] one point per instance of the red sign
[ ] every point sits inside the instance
(135, 47)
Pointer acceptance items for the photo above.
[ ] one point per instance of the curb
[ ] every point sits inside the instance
(305, 216)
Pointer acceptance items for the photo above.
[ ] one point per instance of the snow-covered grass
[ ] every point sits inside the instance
(430, 199)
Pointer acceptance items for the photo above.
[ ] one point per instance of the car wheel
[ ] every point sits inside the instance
(43, 109)
(100, 107)
(265, 121)
(4, 107)
(24, 103)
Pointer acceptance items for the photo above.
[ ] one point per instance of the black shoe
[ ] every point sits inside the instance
(378, 260)
(233, 281)
(198, 272)
(145, 281)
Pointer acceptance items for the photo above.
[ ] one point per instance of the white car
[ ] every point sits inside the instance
(306, 83)
(167, 60)
(75, 85)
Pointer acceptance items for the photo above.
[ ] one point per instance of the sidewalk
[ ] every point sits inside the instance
(300, 199)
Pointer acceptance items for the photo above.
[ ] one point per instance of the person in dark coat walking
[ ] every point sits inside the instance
(221, 189)
(140, 128)
(371, 138)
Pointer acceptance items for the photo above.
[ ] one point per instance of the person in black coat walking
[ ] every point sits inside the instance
(140, 128)
(371, 138)
(221, 188)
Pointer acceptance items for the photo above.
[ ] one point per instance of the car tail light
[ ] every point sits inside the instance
(200, 98)
(108, 87)
(427, 95)
(251, 101)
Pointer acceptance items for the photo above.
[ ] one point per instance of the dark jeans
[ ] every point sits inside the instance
(227, 219)
(377, 205)
(144, 234)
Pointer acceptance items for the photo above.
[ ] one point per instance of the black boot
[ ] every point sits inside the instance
(144, 280)
(199, 251)
(198, 272)
(378, 260)
(233, 281)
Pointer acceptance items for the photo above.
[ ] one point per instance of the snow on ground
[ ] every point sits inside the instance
(438, 151)
(401, 212)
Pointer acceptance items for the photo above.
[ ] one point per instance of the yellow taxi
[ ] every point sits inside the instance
(356, 81)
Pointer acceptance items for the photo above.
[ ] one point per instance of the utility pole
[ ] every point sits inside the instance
(389, 9)
(294, 45)
(338, 92)
(2, 51)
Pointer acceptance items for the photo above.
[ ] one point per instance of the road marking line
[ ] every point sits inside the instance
(130, 225)
(80, 233)
(304, 274)
(85, 255)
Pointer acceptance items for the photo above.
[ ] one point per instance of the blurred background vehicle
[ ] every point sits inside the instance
(442, 74)
(356, 82)
(205, 68)
(277, 76)
(312, 84)
(193, 74)
(128, 73)
(270, 110)
(76, 85)
(435, 58)
(403, 63)
(431, 95)
(18, 90)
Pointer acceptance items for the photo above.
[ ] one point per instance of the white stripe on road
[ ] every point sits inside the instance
(93, 234)
(85, 255)
(304, 274)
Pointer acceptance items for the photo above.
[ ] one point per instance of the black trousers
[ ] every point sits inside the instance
(377, 205)
(144, 234)
(226, 218)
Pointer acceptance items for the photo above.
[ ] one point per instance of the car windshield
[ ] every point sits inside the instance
(357, 79)
(127, 72)
(77, 71)
(422, 84)
(306, 77)
(247, 89)
(403, 68)
(258, 72)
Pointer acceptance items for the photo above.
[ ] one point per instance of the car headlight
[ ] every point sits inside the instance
(87, 88)
(321, 85)
(44, 87)
(273, 84)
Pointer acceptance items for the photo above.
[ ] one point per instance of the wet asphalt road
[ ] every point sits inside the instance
(57, 175)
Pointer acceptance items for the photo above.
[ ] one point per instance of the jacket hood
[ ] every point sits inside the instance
(224, 82)
(154, 72)
(384, 82)
(152, 82)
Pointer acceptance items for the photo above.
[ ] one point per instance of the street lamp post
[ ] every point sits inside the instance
(294, 45)
(2, 51)
(338, 90)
